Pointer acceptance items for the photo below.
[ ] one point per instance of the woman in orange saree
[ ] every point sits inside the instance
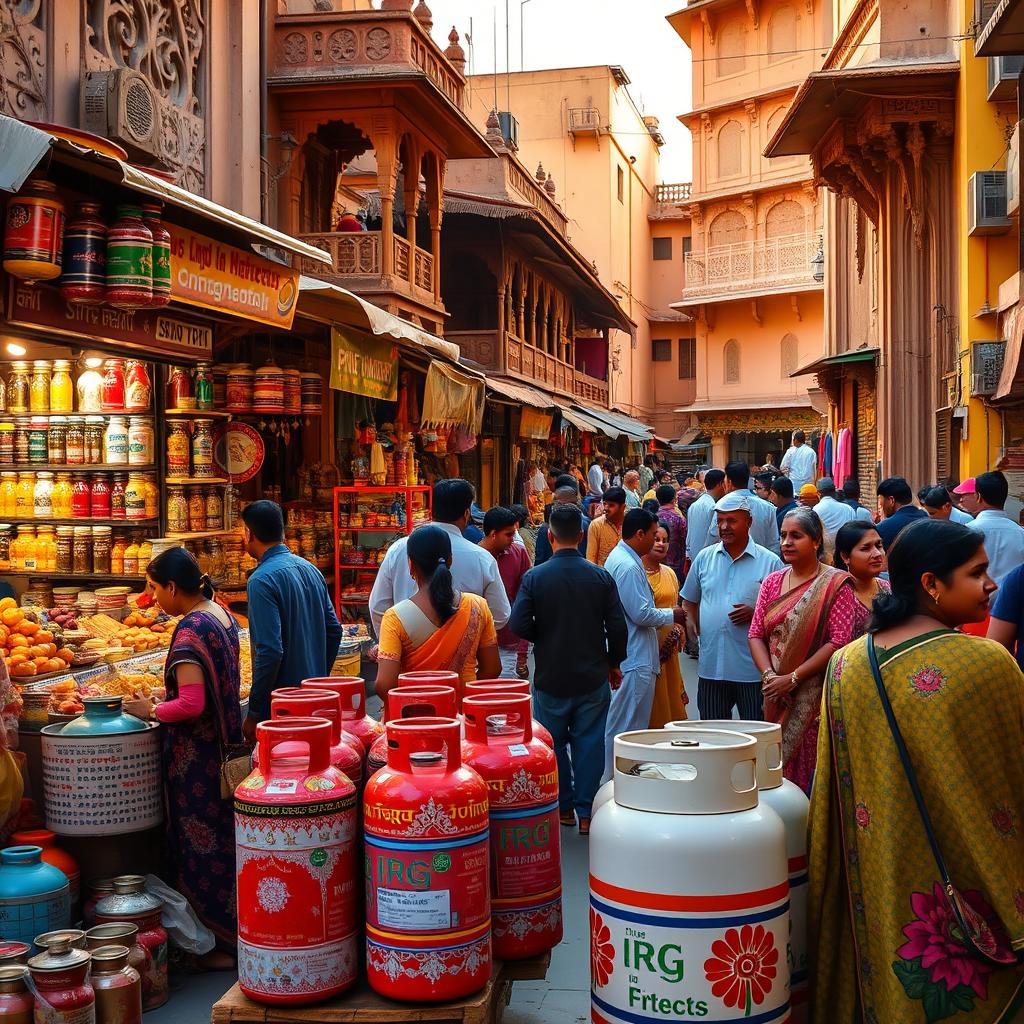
(804, 614)
(436, 628)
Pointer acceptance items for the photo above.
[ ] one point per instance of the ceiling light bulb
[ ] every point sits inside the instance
(14, 349)
(93, 361)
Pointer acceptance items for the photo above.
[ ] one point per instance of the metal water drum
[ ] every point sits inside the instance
(788, 801)
(34, 896)
(689, 896)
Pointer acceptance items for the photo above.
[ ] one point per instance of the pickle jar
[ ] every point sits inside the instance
(118, 497)
(177, 510)
(152, 492)
(6, 533)
(39, 387)
(57, 440)
(81, 496)
(102, 543)
(82, 550)
(38, 441)
(18, 388)
(62, 494)
(7, 443)
(99, 497)
(214, 509)
(94, 432)
(196, 510)
(202, 449)
(16, 1002)
(74, 442)
(42, 496)
(66, 549)
(22, 433)
(178, 448)
(135, 497)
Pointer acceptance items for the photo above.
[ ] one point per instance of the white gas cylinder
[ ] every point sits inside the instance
(791, 805)
(689, 899)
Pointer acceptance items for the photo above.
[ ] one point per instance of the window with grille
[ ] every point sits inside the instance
(687, 358)
(661, 248)
(661, 350)
(731, 360)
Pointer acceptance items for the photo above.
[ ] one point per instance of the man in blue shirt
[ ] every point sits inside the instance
(630, 707)
(896, 505)
(782, 498)
(1006, 626)
(851, 492)
(293, 629)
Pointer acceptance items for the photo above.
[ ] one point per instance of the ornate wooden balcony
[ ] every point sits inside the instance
(591, 389)
(750, 269)
(358, 255)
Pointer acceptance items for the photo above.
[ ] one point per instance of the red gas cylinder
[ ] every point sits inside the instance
(410, 702)
(430, 678)
(295, 702)
(522, 779)
(503, 686)
(428, 907)
(355, 720)
(295, 850)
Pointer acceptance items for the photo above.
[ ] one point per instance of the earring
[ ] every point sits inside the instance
(936, 596)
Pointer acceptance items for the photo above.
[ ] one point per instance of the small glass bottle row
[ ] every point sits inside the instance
(77, 441)
(47, 495)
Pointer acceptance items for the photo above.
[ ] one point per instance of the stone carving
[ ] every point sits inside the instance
(164, 41)
(295, 48)
(23, 58)
(341, 45)
(378, 43)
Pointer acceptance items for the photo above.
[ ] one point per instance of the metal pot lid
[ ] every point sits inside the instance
(109, 959)
(72, 936)
(13, 973)
(59, 957)
(129, 898)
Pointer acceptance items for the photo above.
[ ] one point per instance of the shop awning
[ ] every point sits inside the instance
(579, 421)
(688, 435)
(452, 396)
(1003, 34)
(748, 405)
(331, 304)
(615, 424)
(860, 355)
(520, 394)
(22, 146)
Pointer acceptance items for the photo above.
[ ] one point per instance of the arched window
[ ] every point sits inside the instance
(790, 355)
(730, 149)
(782, 35)
(731, 360)
(727, 228)
(785, 218)
(731, 48)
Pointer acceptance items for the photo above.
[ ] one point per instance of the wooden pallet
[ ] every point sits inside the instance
(363, 1006)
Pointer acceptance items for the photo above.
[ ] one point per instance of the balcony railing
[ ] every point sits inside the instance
(359, 254)
(584, 121)
(774, 264)
(590, 389)
(670, 195)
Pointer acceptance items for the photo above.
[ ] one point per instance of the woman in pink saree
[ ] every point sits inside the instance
(804, 614)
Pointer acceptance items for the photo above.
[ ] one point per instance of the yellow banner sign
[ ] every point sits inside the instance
(364, 365)
(208, 273)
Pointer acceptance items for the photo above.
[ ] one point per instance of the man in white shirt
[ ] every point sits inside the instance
(799, 462)
(1004, 539)
(832, 513)
(939, 505)
(595, 479)
(701, 514)
(764, 529)
(474, 570)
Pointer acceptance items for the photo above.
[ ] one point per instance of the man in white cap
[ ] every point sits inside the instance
(719, 596)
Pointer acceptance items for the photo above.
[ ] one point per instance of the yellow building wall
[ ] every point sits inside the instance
(981, 139)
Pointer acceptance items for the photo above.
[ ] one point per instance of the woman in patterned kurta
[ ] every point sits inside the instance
(201, 721)
(883, 942)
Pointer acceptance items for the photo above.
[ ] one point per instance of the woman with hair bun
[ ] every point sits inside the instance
(201, 721)
(804, 614)
(436, 628)
(884, 940)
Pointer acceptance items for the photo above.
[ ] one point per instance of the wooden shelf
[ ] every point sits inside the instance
(93, 467)
(126, 523)
(199, 414)
(70, 575)
(200, 535)
(175, 481)
(78, 412)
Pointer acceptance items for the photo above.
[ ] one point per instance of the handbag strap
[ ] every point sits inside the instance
(908, 768)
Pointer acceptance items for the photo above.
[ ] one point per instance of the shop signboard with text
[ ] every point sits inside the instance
(364, 365)
(208, 273)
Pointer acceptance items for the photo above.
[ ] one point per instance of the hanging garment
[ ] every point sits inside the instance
(844, 457)
(826, 462)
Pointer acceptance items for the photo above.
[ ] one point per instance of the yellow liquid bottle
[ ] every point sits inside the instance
(29, 561)
(9, 494)
(25, 496)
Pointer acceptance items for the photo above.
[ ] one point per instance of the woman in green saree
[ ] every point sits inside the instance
(883, 942)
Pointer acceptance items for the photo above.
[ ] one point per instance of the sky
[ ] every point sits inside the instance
(575, 33)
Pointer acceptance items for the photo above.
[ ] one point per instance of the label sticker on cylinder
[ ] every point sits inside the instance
(414, 911)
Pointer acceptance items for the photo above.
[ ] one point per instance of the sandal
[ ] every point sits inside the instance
(568, 819)
(584, 826)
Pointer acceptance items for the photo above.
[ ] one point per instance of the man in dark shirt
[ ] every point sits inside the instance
(294, 631)
(570, 609)
(897, 508)
(566, 493)
(781, 496)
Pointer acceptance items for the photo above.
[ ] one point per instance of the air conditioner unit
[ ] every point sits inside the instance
(1013, 173)
(986, 366)
(122, 106)
(509, 129)
(986, 203)
(1002, 77)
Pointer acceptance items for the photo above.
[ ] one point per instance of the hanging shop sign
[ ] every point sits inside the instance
(364, 365)
(534, 424)
(41, 306)
(208, 273)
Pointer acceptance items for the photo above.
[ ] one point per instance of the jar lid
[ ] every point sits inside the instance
(116, 362)
(13, 974)
(95, 420)
(73, 936)
(128, 899)
(38, 421)
(99, 531)
(44, 476)
(60, 956)
(59, 421)
(63, 364)
(120, 933)
(109, 959)
(40, 364)
(10, 948)
(20, 366)
(6, 425)
(83, 531)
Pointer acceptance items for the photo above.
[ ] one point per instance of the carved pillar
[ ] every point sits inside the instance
(411, 193)
(435, 206)
(502, 344)
(385, 145)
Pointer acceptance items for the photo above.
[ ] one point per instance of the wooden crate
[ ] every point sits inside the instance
(362, 1006)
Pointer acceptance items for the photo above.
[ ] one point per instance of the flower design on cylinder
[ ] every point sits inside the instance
(602, 951)
(272, 894)
(743, 967)
(863, 816)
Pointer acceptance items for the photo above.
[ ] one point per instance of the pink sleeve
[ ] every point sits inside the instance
(770, 587)
(843, 617)
(189, 703)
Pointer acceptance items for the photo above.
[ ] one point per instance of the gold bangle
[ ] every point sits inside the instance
(766, 675)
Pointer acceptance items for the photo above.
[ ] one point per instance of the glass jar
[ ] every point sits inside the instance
(39, 387)
(7, 443)
(99, 497)
(145, 555)
(18, 388)
(202, 449)
(179, 389)
(131, 558)
(102, 544)
(152, 496)
(74, 442)
(57, 440)
(6, 533)
(178, 448)
(196, 510)
(62, 496)
(62, 391)
(42, 496)
(46, 549)
(115, 442)
(81, 496)
(26, 493)
(135, 497)
(90, 391)
(203, 388)
(8, 494)
(82, 549)
(27, 549)
(22, 430)
(65, 549)
(140, 441)
(38, 441)
(177, 510)
(118, 499)
(138, 388)
(112, 394)
(94, 434)
(117, 554)
(217, 565)
(214, 509)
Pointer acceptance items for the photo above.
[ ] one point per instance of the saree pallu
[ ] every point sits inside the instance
(200, 826)
(881, 936)
(796, 625)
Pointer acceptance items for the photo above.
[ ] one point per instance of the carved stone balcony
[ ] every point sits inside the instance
(358, 256)
(750, 269)
(673, 194)
(584, 121)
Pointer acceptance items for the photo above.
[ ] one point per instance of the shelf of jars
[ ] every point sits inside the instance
(197, 481)
(198, 534)
(196, 413)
